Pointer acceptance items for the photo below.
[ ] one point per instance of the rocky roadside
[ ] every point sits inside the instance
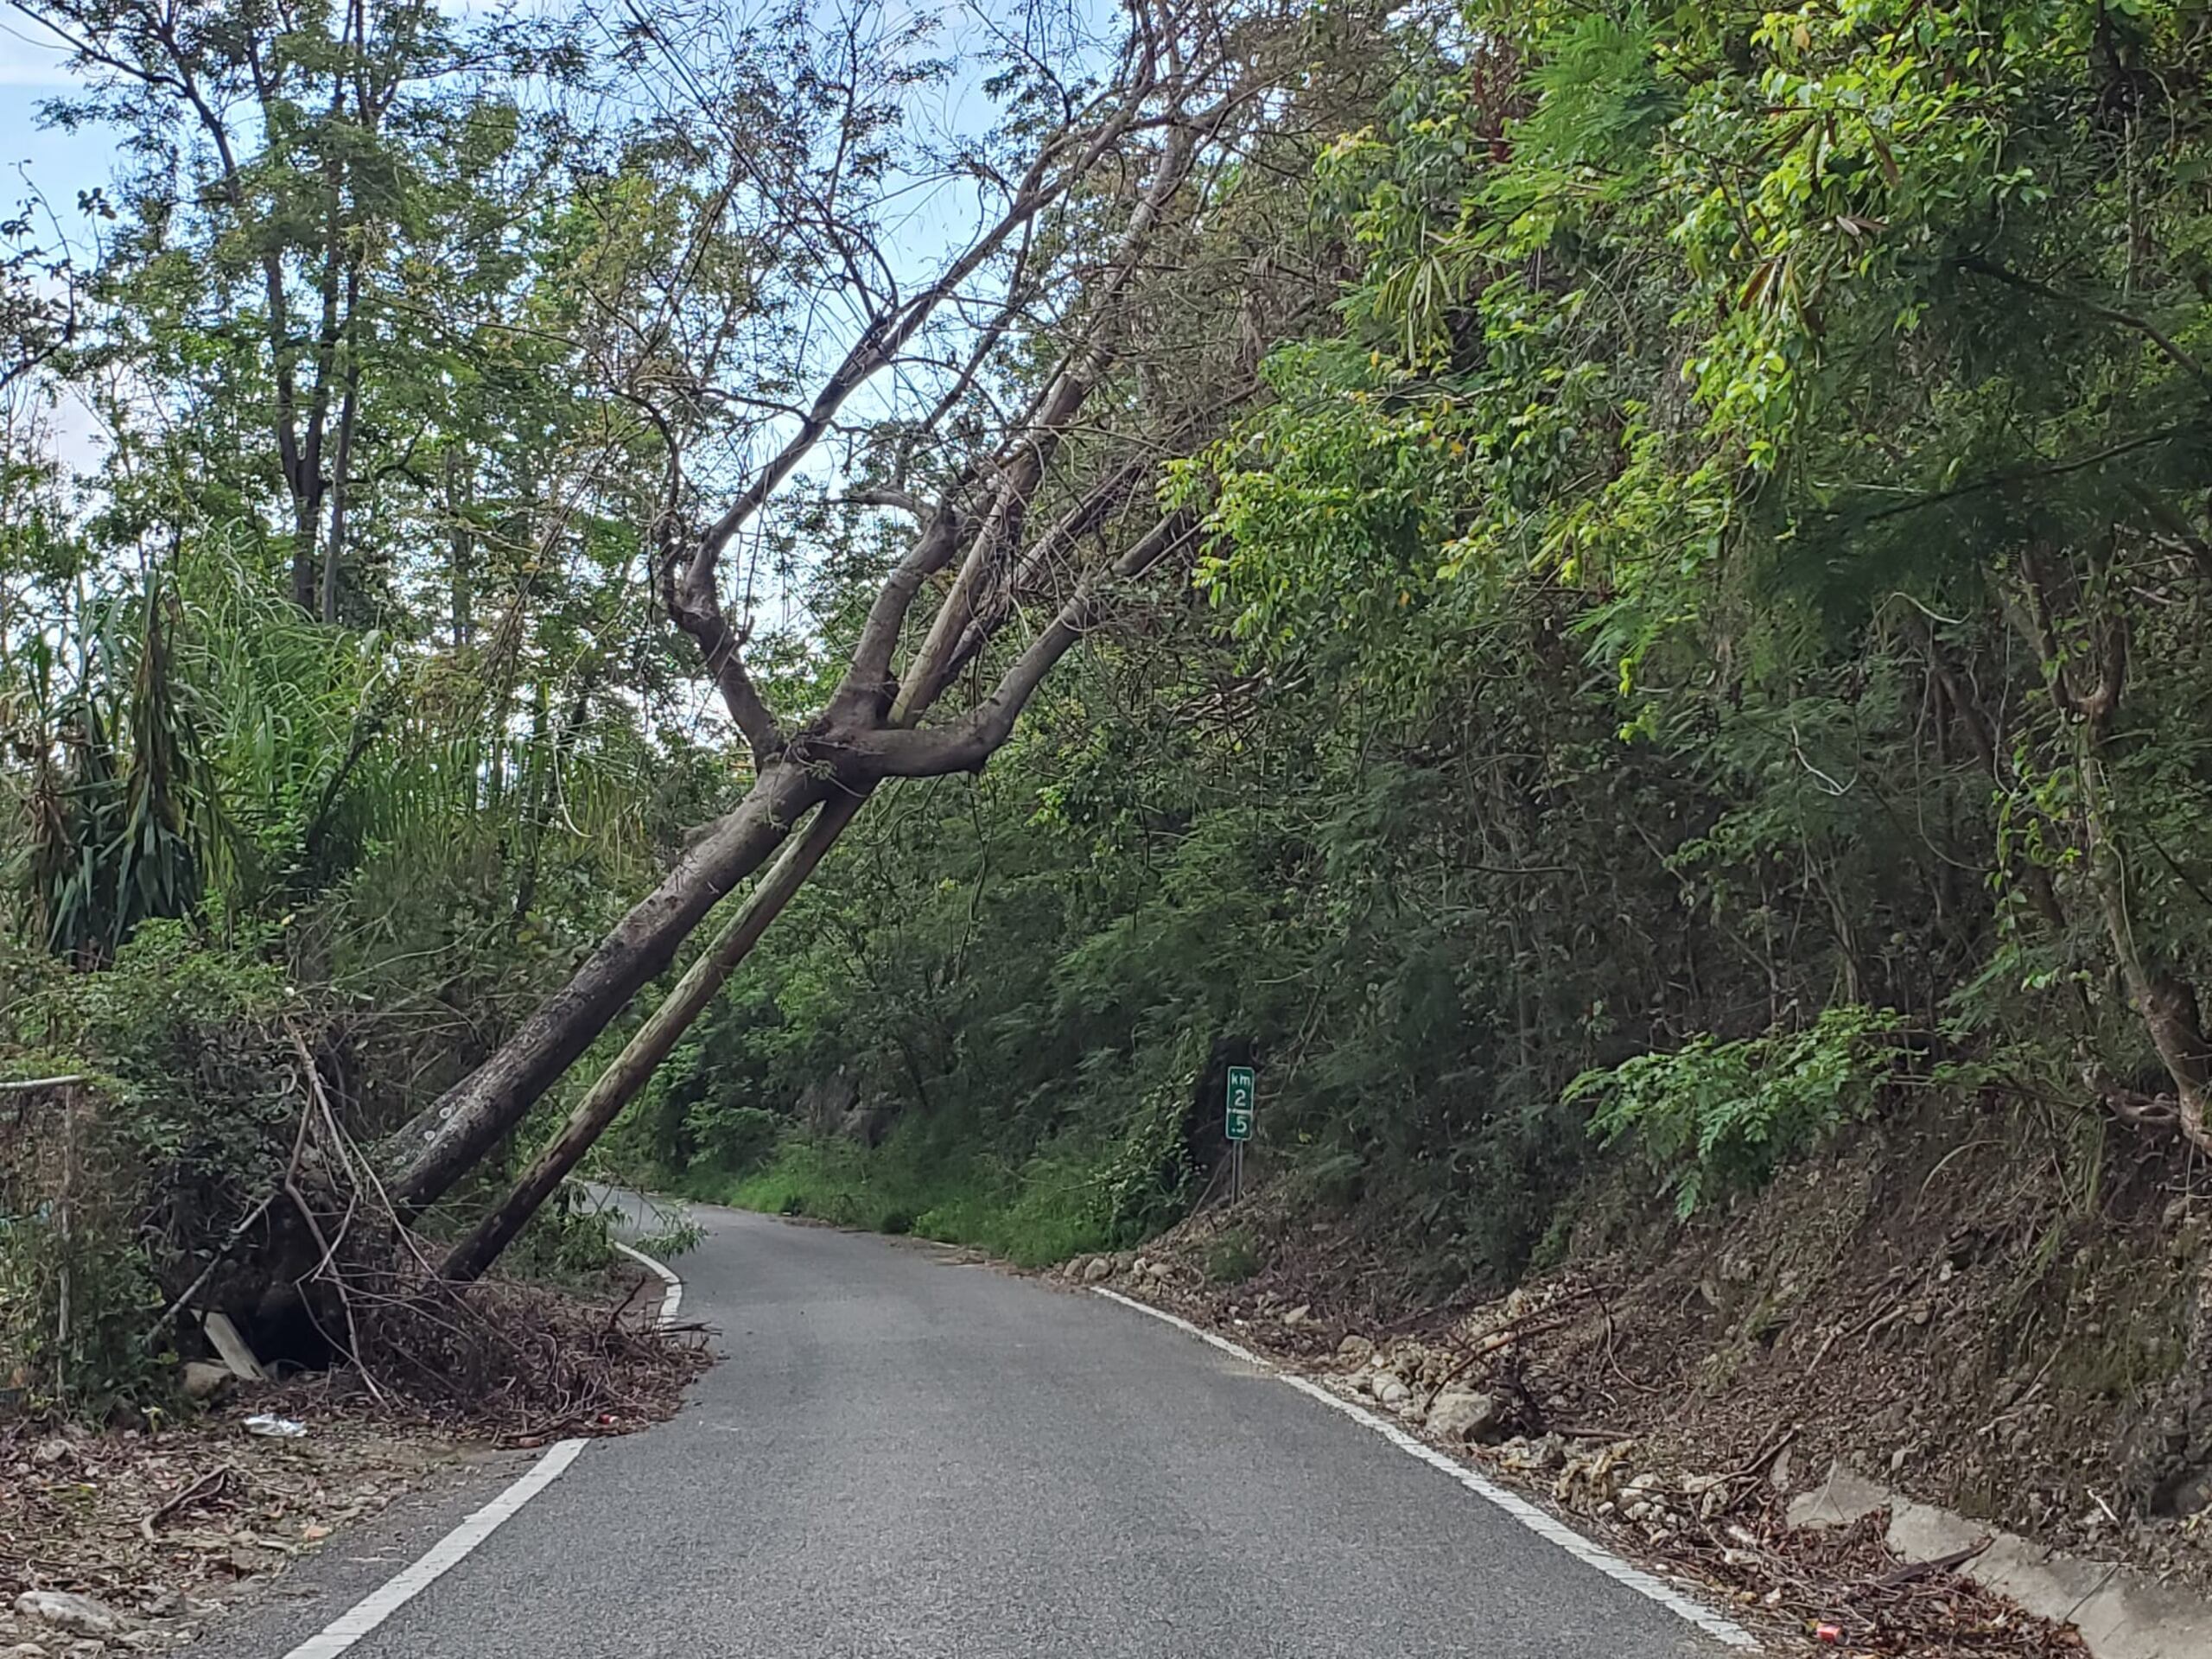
(135, 1540)
(136, 1537)
(1721, 1531)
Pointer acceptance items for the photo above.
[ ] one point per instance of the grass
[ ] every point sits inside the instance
(1040, 1212)
(1231, 1259)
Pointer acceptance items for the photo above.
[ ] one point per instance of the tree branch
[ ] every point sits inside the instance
(2143, 326)
(965, 744)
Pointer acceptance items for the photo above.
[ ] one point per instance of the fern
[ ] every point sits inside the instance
(1715, 1117)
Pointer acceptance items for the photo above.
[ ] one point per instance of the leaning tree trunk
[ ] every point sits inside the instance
(642, 1055)
(444, 1141)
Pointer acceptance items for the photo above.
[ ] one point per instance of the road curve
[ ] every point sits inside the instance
(900, 1456)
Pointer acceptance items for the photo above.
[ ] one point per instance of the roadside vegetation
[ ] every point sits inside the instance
(1614, 598)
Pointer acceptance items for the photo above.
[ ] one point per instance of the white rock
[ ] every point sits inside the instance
(1391, 1390)
(1709, 1491)
(204, 1379)
(1465, 1414)
(1298, 1315)
(1099, 1269)
(1355, 1350)
(1777, 1472)
(79, 1615)
(24, 1650)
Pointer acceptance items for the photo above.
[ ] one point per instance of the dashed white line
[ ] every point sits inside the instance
(1544, 1526)
(447, 1553)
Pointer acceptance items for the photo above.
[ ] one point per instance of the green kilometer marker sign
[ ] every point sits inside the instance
(1242, 1090)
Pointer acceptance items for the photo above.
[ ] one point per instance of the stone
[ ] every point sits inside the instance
(1779, 1473)
(1467, 1415)
(1390, 1389)
(1298, 1315)
(2120, 1613)
(1541, 1456)
(24, 1650)
(79, 1615)
(1708, 1494)
(205, 1378)
(1356, 1350)
(1098, 1270)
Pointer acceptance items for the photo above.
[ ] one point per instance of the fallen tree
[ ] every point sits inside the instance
(1082, 296)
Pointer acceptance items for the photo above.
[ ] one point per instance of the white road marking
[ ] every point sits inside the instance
(671, 1300)
(447, 1553)
(1544, 1526)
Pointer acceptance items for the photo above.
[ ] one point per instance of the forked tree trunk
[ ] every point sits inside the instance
(642, 1055)
(443, 1142)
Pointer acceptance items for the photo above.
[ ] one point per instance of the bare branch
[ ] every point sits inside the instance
(1034, 447)
(964, 744)
(889, 331)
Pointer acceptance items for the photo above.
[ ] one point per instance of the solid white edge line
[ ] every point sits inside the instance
(447, 1553)
(671, 1299)
(1537, 1521)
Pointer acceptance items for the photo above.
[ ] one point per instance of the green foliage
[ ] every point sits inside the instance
(1044, 1210)
(1731, 565)
(122, 824)
(569, 1239)
(91, 1360)
(1717, 1118)
(731, 1140)
(676, 1236)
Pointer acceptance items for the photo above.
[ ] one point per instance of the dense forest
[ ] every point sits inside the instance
(863, 604)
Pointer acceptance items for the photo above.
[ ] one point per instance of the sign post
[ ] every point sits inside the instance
(1236, 1123)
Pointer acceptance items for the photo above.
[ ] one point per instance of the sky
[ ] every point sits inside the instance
(59, 164)
(36, 160)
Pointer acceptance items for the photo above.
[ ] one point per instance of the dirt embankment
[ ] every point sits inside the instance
(1998, 1316)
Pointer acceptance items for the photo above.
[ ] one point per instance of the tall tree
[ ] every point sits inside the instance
(1021, 448)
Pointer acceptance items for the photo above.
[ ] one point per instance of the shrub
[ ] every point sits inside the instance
(1231, 1259)
(731, 1140)
(1713, 1118)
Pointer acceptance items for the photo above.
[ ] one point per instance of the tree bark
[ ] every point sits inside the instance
(333, 556)
(642, 1055)
(2166, 1003)
(441, 1143)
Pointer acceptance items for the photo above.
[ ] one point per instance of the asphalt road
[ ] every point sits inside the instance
(903, 1456)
